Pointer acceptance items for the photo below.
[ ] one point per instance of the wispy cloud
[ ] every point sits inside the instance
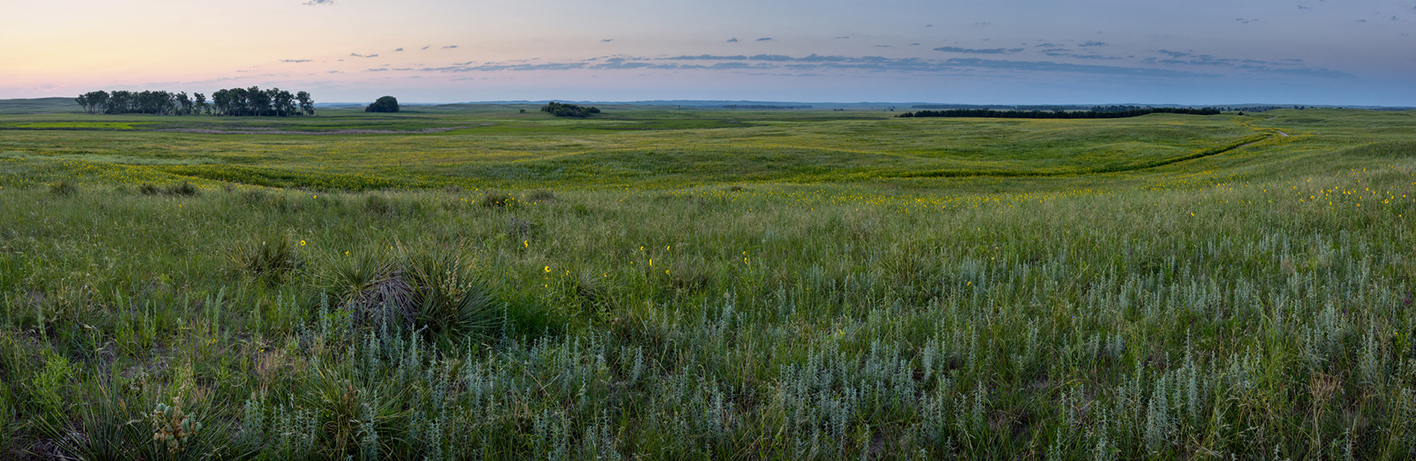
(841, 37)
(426, 47)
(400, 49)
(318, 2)
(764, 39)
(1245, 21)
(357, 55)
(1050, 66)
(955, 49)
(1089, 44)
(296, 60)
(376, 70)
(732, 40)
(449, 47)
(607, 40)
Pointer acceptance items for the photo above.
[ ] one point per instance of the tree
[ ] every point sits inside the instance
(383, 104)
(307, 105)
(201, 104)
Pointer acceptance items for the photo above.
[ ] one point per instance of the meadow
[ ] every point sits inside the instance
(716, 284)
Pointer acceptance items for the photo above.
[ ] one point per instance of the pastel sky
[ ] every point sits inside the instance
(1354, 52)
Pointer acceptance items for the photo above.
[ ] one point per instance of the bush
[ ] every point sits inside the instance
(148, 189)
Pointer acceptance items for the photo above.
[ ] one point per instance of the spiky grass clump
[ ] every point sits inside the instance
(148, 189)
(374, 291)
(451, 302)
(271, 259)
(63, 188)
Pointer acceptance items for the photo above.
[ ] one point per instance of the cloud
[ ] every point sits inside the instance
(376, 70)
(955, 49)
(426, 47)
(881, 46)
(400, 49)
(296, 60)
(318, 2)
(1049, 66)
(841, 37)
(732, 40)
(357, 55)
(1245, 21)
(707, 57)
(764, 39)
(449, 47)
(982, 24)
(333, 72)
(1301, 7)
(1091, 44)
(914, 44)
(607, 40)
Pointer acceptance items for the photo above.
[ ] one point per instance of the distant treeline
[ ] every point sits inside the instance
(234, 101)
(569, 110)
(759, 106)
(1096, 112)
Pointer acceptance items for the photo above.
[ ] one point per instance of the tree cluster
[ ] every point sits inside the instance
(235, 101)
(569, 110)
(144, 102)
(1097, 112)
(257, 102)
(383, 104)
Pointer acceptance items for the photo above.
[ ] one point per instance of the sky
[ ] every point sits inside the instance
(1348, 52)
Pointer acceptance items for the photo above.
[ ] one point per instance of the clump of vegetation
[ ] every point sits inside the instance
(185, 189)
(271, 258)
(383, 104)
(63, 188)
(569, 110)
(541, 195)
(496, 199)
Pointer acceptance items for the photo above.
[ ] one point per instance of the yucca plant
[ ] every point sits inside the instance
(451, 302)
(270, 259)
(373, 289)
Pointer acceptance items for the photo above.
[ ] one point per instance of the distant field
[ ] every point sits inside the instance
(473, 282)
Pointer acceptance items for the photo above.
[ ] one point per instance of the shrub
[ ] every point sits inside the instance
(148, 189)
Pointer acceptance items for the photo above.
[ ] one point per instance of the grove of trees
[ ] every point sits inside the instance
(569, 110)
(235, 101)
(383, 104)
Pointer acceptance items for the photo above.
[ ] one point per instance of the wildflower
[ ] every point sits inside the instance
(302, 243)
(548, 269)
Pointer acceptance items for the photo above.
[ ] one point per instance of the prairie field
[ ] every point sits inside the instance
(800, 284)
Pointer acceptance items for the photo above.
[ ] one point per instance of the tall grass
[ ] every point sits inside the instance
(1237, 305)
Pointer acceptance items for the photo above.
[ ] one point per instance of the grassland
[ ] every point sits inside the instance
(713, 284)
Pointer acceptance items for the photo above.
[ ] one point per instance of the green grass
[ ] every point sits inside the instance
(801, 287)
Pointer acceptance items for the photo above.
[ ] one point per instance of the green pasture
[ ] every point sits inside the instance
(707, 284)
